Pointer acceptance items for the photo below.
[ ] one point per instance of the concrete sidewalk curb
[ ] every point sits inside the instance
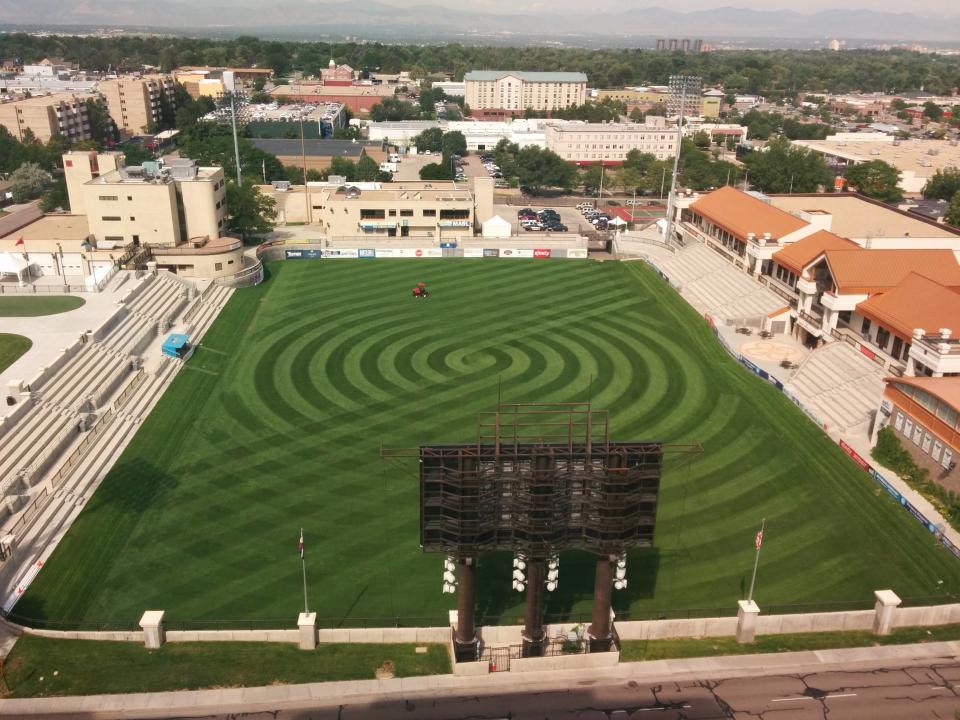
(279, 697)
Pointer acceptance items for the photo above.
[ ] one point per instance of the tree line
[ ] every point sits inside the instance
(774, 73)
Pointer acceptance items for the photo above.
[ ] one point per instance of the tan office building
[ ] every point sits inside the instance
(134, 102)
(494, 93)
(609, 143)
(49, 115)
(429, 211)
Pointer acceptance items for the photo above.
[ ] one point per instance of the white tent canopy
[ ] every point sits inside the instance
(617, 222)
(11, 264)
(496, 227)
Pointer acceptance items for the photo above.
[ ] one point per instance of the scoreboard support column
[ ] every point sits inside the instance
(465, 639)
(600, 632)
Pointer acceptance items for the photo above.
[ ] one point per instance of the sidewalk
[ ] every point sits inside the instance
(187, 703)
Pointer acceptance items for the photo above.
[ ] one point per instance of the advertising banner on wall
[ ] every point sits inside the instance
(447, 245)
(340, 252)
(491, 252)
(516, 252)
(577, 253)
(304, 254)
(541, 252)
(473, 252)
(388, 252)
(367, 252)
(420, 252)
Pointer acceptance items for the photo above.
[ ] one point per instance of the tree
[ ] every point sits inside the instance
(943, 185)
(953, 211)
(590, 180)
(102, 127)
(344, 167)
(782, 167)
(251, 212)
(28, 181)
(537, 168)
(453, 143)
(393, 109)
(134, 154)
(430, 139)
(933, 111)
(701, 139)
(876, 179)
(436, 171)
(367, 169)
(56, 198)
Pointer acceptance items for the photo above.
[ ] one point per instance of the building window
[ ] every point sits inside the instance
(927, 443)
(907, 427)
(109, 197)
(883, 335)
(947, 458)
(865, 328)
(372, 214)
(217, 266)
(917, 434)
(898, 423)
(429, 213)
(129, 197)
(897, 347)
(454, 214)
(110, 218)
(393, 213)
(114, 238)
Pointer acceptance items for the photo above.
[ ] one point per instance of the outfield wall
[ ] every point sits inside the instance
(930, 525)
(501, 248)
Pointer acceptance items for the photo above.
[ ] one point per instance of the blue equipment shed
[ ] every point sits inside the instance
(177, 346)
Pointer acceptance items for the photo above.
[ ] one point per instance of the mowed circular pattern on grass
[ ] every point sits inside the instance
(278, 421)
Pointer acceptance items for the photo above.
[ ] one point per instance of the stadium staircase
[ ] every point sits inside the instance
(55, 456)
(714, 286)
(840, 385)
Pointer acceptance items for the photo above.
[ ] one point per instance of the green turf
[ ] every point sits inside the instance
(46, 667)
(11, 348)
(35, 305)
(277, 421)
(638, 650)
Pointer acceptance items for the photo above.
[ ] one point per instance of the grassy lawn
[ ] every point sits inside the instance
(45, 667)
(277, 421)
(11, 348)
(36, 305)
(637, 650)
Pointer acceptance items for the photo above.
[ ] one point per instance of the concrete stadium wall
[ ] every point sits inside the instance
(281, 636)
(116, 635)
(385, 635)
(663, 629)
(8, 421)
(133, 292)
(565, 662)
(925, 616)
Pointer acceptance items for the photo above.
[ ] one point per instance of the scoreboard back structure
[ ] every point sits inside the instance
(539, 480)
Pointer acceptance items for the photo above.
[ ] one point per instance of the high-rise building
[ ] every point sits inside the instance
(135, 102)
(48, 115)
(502, 93)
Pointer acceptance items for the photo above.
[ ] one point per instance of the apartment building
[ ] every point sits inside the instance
(494, 93)
(609, 143)
(49, 115)
(134, 102)
(425, 211)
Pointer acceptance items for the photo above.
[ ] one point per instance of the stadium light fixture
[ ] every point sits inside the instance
(449, 577)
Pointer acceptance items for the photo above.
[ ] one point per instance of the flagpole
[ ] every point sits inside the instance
(756, 560)
(303, 563)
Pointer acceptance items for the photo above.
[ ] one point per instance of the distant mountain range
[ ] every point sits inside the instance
(443, 22)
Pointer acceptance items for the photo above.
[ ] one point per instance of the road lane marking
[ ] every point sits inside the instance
(802, 697)
(841, 695)
(808, 697)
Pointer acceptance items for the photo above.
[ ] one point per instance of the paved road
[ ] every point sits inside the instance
(912, 693)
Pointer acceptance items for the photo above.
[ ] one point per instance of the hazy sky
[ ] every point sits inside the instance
(932, 7)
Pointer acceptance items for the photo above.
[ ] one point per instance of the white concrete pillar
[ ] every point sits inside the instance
(307, 624)
(747, 621)
(885, 610)
(152, 624)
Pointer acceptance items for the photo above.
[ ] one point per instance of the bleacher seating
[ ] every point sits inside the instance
(714, 286)
(840, 385)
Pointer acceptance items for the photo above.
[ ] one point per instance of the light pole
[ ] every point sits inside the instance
(236, 143)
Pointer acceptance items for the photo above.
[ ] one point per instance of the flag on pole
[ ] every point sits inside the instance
(757, 543)
(300, 545)
(19, 242)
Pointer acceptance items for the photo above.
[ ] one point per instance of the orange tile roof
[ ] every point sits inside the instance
(917, 302)
(872, 271)
(942, 388)
(739, 214)
(796, 256)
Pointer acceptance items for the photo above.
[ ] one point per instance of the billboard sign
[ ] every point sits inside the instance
(473, 252)
(304, 254)
(367, 252)
(420, 252)
(491, 252)
(448, 245)
(340, 253)
(577, 253)
(516, 252)
(541, 252)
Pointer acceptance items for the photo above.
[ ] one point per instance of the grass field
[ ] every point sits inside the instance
(277, 420)
(11, 348)
(36, 305)
(46, 667)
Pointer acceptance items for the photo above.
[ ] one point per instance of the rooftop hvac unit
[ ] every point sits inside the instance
(281, 185)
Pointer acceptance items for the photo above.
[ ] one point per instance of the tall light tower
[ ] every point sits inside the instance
(684, 91)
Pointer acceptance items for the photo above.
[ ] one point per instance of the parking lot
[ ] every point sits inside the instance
(569, 216)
